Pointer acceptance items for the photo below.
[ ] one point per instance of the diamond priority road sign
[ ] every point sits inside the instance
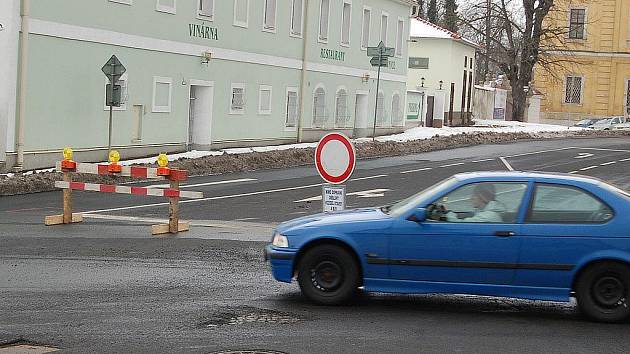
(113, 69)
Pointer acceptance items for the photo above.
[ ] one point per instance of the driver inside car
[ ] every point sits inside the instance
(487, 209)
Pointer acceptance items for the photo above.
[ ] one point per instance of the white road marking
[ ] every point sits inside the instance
(364, 178)
(507, 164)
(608, 163)
(599, 149)
(588, 168)
(417, 170)
(574, 172)
(152, 220)
(484, 160)
(539, 152)
(205, 184)
(142, 206)
(583, 155)
(372, 193)
(628, 159)
(453, 164)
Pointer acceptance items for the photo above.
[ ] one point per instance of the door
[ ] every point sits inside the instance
(474, 243)
(360, 112)
(200, 116)
(564, 224)
(430, 106)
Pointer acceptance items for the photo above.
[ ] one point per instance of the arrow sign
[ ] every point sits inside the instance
(113, 69)
(376, 62)
(380, 50)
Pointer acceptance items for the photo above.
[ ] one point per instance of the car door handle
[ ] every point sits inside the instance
(505, 233)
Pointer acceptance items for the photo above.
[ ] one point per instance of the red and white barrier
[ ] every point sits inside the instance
(110, 188)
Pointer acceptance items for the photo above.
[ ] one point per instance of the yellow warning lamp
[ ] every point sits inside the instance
(162, 161)
(67, 163)
(114, 157)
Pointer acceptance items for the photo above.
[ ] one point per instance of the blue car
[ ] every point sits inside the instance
(509, 234)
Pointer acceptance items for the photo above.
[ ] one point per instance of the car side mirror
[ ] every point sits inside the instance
(419, 215)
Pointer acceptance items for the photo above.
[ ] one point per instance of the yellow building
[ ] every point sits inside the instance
(587, 68)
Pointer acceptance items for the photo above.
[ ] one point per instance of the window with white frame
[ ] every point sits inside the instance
(324, 14)
(573, 89)
(397, 114)
(384, 20)
(168, 6)
(342, 117)
(269, 16)
(264, 99)
(123, 82)
(400, 38)
(241, 13)
(205, 9)
(320, 114)
(291, 114)
(162, 94)
(346, 19)
(237, 99)
(124, 2)
(297, 15)
(381, 115)
(365, 34)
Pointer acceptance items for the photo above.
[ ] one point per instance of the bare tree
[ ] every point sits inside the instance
(519, 35)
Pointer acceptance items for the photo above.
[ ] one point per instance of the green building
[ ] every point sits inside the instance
(201, 74)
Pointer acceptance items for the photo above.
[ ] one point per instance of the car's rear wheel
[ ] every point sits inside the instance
(603, 290)
(328, 275)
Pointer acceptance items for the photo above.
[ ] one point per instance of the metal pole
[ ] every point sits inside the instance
(111, 112)
(21, 116)
(378, 83)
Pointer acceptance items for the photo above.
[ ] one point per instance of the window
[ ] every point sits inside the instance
(400, 40)
(124, 94)
(162, 94)
(384, 19)
(418, 63)
(297, 13)
(206, 9)
(346, 17)
(577, 20)
(471, 63)
(397, 114)
(573, 90)
(269, 18)
(557, 204)
(264, 100)
(320, 114)
(466, 62)
(291, 115)
(241, 13)
(324, 12)
(342, 117)
(485, 202)
(365, 34)
(168, 6)
(237, 101)
(381, 115)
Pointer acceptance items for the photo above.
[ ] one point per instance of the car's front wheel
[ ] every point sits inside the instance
(602, 292)
(328, 275)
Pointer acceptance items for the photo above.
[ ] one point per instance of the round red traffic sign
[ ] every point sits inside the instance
(335, 158)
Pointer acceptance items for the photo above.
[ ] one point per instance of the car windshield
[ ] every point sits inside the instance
(405, 205)
(584, 122)
(604, 121)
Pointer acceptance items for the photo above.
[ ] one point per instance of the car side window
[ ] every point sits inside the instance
(486, 202)
(558, 204)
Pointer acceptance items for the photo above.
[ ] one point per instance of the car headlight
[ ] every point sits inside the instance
(280, 241)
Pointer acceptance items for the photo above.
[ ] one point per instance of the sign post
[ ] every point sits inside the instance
(380, 57)
(335, 158)
(113, 69)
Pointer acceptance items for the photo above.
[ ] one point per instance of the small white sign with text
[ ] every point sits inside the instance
(334, 198)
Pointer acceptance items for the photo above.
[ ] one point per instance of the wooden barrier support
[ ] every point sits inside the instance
(67, 217)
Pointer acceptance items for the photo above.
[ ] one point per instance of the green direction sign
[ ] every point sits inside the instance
(382, 62)
(113, 69)
(380, 50)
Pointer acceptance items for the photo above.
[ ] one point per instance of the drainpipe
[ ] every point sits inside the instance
(305, 16)
(22, 79)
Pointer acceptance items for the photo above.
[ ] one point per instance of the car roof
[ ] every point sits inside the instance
(564, 177)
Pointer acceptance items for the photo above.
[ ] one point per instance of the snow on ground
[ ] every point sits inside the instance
(419, 133)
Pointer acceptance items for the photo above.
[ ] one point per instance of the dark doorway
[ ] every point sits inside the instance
(430, 104)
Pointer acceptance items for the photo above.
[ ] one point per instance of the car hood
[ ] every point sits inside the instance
(337, 218)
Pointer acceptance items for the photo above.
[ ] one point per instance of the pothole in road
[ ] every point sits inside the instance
(248, 315)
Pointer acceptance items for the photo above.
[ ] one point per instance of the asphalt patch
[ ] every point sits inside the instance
(244, 315)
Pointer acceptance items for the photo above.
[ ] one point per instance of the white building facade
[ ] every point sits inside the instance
(201, 74)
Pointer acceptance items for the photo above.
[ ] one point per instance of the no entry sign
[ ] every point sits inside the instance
(335, 158)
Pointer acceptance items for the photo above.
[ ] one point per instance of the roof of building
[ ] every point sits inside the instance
(421, 28)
